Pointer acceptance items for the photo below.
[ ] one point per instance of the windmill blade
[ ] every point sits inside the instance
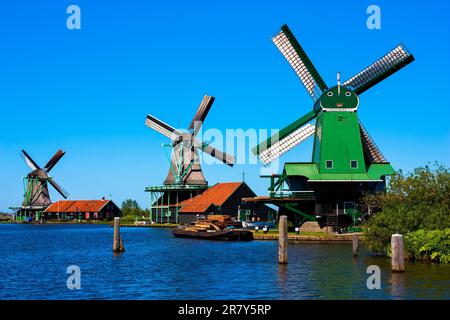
(396, 59)
(54, 160)
(279, 148)
(58, 188)
(29, 161)
(201, 113)
(300, 62)
(219, 155)
(284, 133)
(216, 153)
(371, 151)
(162, 127)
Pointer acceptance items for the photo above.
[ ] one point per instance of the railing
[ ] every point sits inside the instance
(302, 195)
(175, 187)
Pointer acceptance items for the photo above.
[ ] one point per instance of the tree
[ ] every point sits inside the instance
(131, 207)
(413, 201)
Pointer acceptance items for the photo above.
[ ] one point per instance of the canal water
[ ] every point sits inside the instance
(34, 261)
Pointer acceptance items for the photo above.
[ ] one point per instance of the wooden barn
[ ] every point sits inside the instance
(82, 210)
(225, 198)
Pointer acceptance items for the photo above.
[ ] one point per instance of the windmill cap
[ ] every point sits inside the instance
(337, 98)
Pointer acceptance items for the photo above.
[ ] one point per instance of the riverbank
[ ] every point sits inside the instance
(260, 235)
(272, 234)
(308, 236)
(95, 222)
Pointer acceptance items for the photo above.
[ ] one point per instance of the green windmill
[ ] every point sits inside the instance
(346, 162)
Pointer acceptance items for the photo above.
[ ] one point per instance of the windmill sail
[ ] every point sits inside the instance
(201, 114)
(162, 127)
(371, 152)
(29, 161)
(219, 155)
(284, 145)
(54, 160)
(300, 62)
(58, 188)
(284, 133)
(396, 59)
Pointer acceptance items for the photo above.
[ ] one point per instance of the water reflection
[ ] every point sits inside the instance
(397, 285)
(283, 281)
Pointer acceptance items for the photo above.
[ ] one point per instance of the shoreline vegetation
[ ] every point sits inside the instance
(416, 205)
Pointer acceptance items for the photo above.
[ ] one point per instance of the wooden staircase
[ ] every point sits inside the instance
(332, 221)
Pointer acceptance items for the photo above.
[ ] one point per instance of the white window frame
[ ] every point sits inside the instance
(326, 164)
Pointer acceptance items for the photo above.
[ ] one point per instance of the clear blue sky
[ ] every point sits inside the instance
(88, 91)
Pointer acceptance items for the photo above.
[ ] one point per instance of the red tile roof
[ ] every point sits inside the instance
(216, 195)
(77, 206)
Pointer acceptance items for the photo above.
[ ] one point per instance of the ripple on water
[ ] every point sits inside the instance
(158, 266)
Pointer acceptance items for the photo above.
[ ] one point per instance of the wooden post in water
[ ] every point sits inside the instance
(355, 245)
(398, 259)
(282, 240)
(117, 244)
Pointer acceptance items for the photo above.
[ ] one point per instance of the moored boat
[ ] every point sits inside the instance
(213, 229)
(228, 235)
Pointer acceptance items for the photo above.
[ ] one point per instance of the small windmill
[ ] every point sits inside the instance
(185, 166)
(36, 182)
(345, 160)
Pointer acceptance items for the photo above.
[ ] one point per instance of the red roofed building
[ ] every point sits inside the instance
(224, 198)
(82, 209)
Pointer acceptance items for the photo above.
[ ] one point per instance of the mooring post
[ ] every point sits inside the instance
(398, 259)
(117, 244)
(282, 240)
(355, 244)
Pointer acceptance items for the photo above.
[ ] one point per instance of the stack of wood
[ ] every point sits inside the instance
(222, 221)
(203, 225)
(212, 223)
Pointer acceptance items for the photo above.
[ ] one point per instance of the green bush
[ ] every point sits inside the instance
(416, 201)
(128, 219)
(429, 245)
